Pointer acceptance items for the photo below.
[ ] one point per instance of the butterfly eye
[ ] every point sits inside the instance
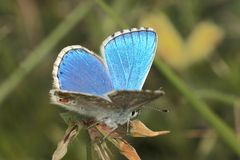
(134, 114)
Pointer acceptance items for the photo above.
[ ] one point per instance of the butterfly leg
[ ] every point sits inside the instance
(128, 126)
(93, 125)
(108, 134)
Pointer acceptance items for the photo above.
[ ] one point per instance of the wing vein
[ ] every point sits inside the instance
(120, 59)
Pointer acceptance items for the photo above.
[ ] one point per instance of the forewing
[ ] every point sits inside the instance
(77, 69)
(79, 102)
(129, 55)
(133, 100)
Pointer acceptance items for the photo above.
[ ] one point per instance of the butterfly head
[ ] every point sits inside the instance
(120, 117)
(134, 114)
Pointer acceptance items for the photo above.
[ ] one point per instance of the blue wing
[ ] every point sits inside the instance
(78, 69)
(129, 55)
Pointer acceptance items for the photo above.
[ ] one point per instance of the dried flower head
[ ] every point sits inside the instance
(100, 133)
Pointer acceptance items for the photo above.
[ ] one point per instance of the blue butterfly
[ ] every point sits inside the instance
(109, 89)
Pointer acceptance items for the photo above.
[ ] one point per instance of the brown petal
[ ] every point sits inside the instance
(126, 149)
(94, 134)
(105, 130)
(70, 134)
(102, 150)
(100, 147)
(138, 129)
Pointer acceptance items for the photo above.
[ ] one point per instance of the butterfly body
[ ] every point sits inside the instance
(107, 90)
(115, 108)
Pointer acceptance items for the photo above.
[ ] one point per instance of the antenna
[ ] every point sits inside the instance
(157, 109)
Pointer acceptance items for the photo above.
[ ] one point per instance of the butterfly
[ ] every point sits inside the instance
(108, 89)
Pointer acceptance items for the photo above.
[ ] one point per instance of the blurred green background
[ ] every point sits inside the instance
(32, 33)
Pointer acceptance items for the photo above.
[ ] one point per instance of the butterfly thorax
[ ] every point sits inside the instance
(117, 118)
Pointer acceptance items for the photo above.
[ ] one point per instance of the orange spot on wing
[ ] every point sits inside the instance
(63, 100)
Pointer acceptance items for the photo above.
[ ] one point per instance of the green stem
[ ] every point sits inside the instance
(89, 148)
(216, 95)
(221, 127)
(37, 55)
(111, 13)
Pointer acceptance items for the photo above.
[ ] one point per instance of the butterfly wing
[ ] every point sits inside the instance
(129, 55)
(133, 100)
(85, 104)
(79, 70)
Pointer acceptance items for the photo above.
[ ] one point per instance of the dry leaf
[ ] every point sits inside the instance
(138, 129)
(126, 149)
(102, 150)
(115, 138)
(61, 150)
(105, 130)
(100, 147)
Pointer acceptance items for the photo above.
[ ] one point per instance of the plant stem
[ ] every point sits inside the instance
(89, 148)
(111, 13)
(37, 55)
(201, 107)
(216, 95)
